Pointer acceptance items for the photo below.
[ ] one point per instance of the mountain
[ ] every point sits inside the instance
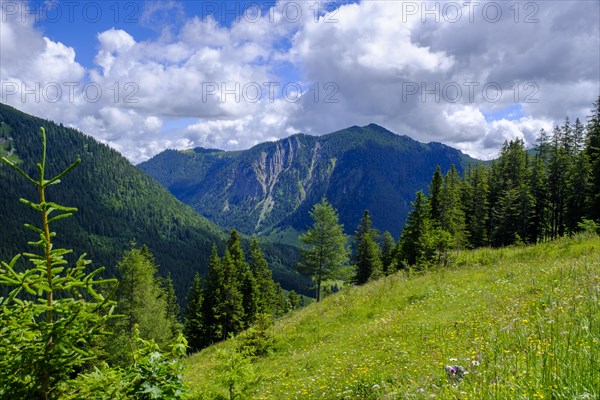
(270, 188)
(522, 321)
(118, 204)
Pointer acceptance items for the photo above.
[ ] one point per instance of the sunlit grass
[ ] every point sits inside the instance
(524, 323)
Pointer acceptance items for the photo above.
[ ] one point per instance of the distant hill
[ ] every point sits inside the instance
(118, 204)
(271, 187)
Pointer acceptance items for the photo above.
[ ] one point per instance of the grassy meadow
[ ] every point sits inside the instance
(524, 322)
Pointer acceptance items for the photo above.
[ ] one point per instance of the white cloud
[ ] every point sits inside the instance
(365, 57)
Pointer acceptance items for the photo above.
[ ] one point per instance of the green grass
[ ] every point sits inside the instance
(524, 322)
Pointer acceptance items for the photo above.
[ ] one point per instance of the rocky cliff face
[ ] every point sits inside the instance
(274, 185)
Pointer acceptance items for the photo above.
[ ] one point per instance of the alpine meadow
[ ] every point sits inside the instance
(357, 200)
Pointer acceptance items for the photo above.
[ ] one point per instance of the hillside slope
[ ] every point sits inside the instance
(523, 322)
(117, 204)
(272, 186)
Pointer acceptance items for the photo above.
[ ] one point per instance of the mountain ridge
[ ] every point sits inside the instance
(273, 185)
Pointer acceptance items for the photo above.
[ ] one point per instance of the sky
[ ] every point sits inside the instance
(145, 76)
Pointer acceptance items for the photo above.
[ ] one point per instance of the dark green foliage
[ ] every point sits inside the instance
(265, 286)
(540, 190)
(243, 279)
(388, 245)
(257, 341)
(476, 208)
(435, 194)
(173, 310)
(142, 302)
(325, 245)
(415, 245)
(451, 214)
(194, 324)
(512, 203)
(366, 255)
(294, 299)
(592, 151)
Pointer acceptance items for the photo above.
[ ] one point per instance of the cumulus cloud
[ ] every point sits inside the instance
(434, 71)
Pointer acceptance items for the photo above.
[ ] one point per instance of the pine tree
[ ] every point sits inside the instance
(173, 311)
(366, 255)
(539, 189)
(213, 314)
(141, 300)
(194, 326)
(294, 299)
(435, 193)
(242, 278)
(557, 183)
(452, 217)
(231, 302)
(388, 245)
(264, 281)
(511, 209)
(325, 245)
(415, 244)
(592, 151)
(475, 201)
(250, 298)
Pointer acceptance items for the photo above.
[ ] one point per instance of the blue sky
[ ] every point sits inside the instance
(144, 76)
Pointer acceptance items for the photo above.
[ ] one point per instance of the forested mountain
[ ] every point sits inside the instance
(117, 203)
(273, 185)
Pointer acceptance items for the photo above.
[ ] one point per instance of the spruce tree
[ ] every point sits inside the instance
(475, 205)
(435, 193)
(592, 151)
(212, 314)
(173, 310)
(557, 168)
(325, 245)
(264, 281)
(511, 209)
(539, 189)
(415, 244)
(141, 300)
(366, 254)
(231, 301)
(242, 278)
(194, 325)
(388, 245)
(452, 217)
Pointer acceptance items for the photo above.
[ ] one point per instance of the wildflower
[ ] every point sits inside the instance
(455, 372)
(475, 363)
(375, 387)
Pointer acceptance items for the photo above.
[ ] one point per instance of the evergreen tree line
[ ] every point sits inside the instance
(233, 295)
(523, 197)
